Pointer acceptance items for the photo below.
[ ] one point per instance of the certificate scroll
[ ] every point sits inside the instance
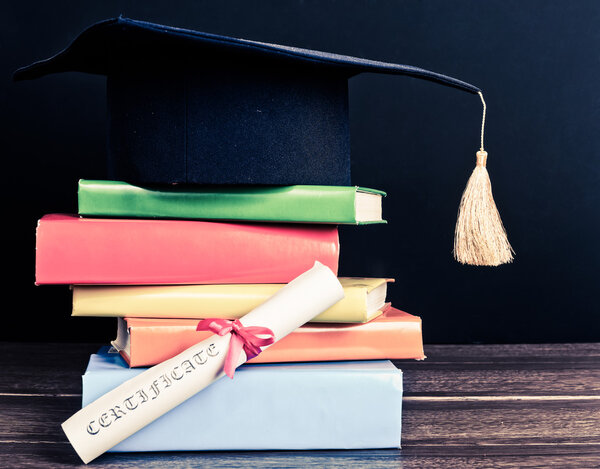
(137, 402)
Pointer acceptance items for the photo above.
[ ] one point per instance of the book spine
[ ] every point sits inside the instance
(72, 250)
(306, 204)
(290, 409)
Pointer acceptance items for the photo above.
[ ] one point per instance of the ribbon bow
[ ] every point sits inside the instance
(241, 337)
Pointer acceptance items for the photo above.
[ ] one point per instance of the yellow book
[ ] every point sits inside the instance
(364, 300)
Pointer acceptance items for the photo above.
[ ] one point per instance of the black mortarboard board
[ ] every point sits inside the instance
(192, 107)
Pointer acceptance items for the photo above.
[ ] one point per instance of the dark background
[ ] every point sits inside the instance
(539, 66)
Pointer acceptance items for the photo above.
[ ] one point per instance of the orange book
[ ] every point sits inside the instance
(393, 335)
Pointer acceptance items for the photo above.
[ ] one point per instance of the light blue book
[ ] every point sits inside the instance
(320, 405)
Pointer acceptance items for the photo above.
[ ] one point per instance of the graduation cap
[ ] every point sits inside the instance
(198, 108)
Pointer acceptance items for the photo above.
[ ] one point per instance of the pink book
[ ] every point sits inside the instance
(73, 250)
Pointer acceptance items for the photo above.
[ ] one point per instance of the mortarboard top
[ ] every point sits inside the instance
(192, 107)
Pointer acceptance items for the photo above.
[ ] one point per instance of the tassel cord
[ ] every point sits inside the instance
(482, 119)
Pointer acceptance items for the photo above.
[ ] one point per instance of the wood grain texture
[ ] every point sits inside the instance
(24, 455)
(43, 367)
(498, 370)
(499, 423)
(499, 352)
(465, 406)
(44, 455)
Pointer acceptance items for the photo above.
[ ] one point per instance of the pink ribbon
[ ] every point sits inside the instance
(242, 337)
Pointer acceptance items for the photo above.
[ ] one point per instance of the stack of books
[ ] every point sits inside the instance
(160, 259)
(236, 155)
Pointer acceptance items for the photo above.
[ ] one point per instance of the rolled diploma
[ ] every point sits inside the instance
(134, 404)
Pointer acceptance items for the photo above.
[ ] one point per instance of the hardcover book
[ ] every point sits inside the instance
(290, 407)
(364, 299)
(73, 250)
(393, 335)
(300, 203)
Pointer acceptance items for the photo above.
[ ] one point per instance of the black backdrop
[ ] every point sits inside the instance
(538, 64)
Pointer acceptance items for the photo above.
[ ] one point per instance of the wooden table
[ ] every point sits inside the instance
(464, 406)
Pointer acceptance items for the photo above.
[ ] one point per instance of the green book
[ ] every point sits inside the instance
(297, 204)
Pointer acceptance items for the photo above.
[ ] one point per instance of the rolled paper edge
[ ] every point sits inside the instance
(73, 443)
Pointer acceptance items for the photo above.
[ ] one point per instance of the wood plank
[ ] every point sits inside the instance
(449, 370)
(529, 369)
(43, 367)
(435, 353)
(38, 419)
(494, 380)
(35, 419)
(24, 455)
(425, 380)
(485, 352)
(501, 422)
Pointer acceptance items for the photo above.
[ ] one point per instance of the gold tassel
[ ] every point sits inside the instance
(480, 237)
